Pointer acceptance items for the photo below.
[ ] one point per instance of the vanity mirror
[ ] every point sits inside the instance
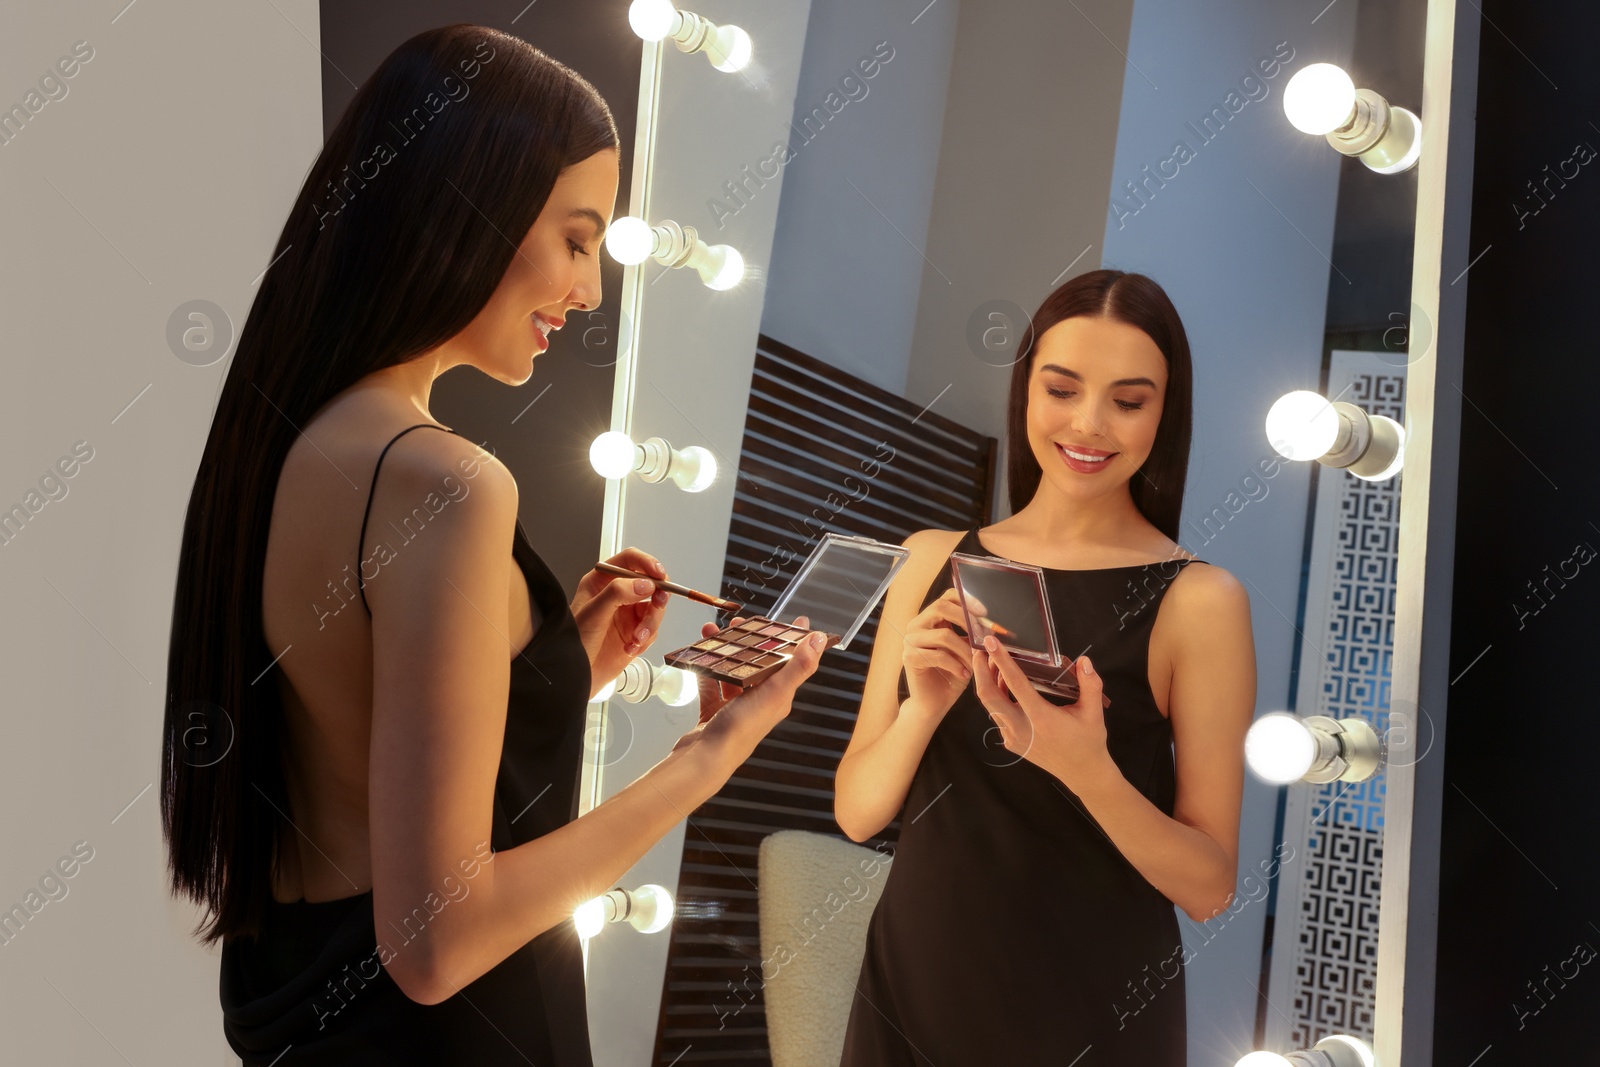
(904, 183)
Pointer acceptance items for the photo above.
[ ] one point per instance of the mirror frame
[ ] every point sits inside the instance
(1409, 893)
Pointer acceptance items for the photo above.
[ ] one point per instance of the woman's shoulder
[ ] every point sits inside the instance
(1206, 591)
(930, 550)
(934, 542)
(365, 433)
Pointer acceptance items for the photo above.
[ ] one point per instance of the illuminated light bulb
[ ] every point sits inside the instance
(1363, 1054)
(1302, 425)
(648, 909)
(640, 680)
(1338, 1050)
(677, 687)
(652, 19)
(590, 917)
(1319, 98)
(695, 468)
(605, 692)
(732, 51)
(1263, 1059)
(1385, 427)
(721, 267)
(1283, 748)
(615, 455)
(727, 47)
(651, 908)
(1280, 748)
(1402, 145)
(630, 240)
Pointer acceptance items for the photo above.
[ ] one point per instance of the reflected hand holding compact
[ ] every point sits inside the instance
(1007, 600)
(835, 591)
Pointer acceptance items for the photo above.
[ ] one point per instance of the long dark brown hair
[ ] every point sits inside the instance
(405, 225)
(1138, 301)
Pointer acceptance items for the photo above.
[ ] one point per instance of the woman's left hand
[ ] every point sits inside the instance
(619, 618)
(1067, 741)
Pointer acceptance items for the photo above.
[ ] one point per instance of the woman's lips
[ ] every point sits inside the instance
(1085, 460)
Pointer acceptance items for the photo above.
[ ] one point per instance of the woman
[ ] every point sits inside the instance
(1028, 917)
(386, 845)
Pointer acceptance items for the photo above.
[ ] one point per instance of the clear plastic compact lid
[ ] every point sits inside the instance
(1006, 599)
(839, 584)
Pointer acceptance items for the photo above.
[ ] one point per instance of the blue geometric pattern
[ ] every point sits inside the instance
(1336, 951)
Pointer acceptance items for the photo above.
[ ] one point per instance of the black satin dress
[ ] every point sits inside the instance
(1012, 930)
(312, 992)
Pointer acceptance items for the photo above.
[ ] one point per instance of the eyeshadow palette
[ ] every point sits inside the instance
(743, 655)
(836, 590)
(1007, 599)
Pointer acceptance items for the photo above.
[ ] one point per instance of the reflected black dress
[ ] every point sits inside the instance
(311, 991)
(1012, 931)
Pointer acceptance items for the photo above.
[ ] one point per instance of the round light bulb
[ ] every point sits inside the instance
(1280, 748)
(1362, 1050)
(737, 45)
(652, 909)
(677, 687)
(731, 273)
(612, 454)
(1408, 159)
(1319, 98)
(651, 19)
(1399, 453)
(630, 240)
(590, 917)
(705, 468)
(606, 691)
(1263, 1059)
(1302, 425)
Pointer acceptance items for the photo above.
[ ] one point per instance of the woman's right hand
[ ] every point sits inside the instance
(937, 660)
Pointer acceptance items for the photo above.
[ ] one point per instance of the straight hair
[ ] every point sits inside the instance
(1136, 300)
(400, 234)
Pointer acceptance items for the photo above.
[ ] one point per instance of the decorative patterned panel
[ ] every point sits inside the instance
(1324, 977)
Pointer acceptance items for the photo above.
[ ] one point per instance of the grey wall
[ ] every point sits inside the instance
(846, 266)
(1239, 239)
(1024, 164)
(162, 176)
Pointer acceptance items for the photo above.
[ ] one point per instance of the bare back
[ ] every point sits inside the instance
(317, 626)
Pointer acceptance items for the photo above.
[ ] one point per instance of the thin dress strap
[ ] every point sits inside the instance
(361, 584)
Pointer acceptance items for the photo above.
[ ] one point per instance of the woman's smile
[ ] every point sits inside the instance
(1082, 459)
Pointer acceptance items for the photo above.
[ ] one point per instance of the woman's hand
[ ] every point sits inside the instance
(937, 660)
(619, 618)
(714, 694)
(1067, 741)
(739, 719)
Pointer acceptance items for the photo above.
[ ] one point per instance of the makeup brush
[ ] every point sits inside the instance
(671, 587)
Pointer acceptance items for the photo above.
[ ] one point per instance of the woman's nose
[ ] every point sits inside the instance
(586, 292)
(1083, 419)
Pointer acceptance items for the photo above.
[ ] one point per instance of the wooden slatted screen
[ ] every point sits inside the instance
(822, 451)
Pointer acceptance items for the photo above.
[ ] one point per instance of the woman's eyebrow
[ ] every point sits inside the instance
(593, 216)
(1074, 374)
